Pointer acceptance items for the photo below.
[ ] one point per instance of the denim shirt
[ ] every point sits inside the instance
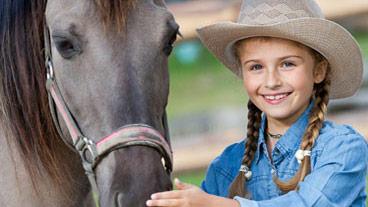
(339, 160)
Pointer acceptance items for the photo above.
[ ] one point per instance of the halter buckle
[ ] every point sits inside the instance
(87, 151)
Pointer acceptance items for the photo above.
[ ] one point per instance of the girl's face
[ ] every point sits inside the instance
(279, 76)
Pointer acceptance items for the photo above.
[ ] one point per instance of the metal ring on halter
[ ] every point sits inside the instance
(88, 152)
(50, 69)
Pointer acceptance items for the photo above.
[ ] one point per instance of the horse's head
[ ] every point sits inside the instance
(110, 65)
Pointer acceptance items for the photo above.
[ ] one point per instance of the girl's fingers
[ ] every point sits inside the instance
(167, 195)
(164, 202)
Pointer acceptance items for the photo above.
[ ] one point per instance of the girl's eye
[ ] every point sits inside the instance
(256, 67)
(287, 64)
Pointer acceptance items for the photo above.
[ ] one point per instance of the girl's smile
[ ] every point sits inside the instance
(275, 99)
(279, 76)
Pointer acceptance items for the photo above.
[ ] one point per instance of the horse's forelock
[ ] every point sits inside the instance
(114, 13)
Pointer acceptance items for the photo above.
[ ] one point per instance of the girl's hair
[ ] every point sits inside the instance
(254, 123)
(316, 118)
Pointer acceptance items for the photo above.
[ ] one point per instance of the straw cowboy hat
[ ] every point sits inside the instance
(298, 20)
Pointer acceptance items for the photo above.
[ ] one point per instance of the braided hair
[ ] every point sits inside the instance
(254, 123)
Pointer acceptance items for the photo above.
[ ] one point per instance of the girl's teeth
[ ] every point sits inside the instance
(276, 97)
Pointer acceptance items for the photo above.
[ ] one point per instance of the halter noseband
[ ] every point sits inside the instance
(90, 152)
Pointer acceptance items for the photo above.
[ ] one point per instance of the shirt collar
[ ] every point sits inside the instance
(290, 141)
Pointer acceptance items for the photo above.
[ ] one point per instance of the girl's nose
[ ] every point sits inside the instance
(272, 80)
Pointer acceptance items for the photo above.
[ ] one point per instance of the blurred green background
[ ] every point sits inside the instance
(198, 82)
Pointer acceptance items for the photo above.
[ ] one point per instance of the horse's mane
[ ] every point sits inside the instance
(24, 111)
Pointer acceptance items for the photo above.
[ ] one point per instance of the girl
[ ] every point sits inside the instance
(292, 62)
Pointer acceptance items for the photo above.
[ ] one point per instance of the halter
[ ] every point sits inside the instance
(90, 152)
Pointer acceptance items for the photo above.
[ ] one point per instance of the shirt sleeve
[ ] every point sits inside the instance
(245, 202)
(337, 179)
(209, 184)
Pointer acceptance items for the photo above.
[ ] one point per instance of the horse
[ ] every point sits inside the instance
(84, 87)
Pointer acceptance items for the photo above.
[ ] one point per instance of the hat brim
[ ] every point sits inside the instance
(333, 41)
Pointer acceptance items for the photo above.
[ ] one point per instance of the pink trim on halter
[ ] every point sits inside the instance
(139, 129)
(148, 130)
(72, 130)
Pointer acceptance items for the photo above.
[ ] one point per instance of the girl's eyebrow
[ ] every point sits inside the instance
(280, 58)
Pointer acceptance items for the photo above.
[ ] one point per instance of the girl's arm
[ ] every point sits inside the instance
(189, 196)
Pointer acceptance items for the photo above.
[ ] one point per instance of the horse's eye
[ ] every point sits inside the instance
(172, 38)
(66, 47)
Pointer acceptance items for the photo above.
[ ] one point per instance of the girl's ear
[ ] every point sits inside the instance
(320, 71)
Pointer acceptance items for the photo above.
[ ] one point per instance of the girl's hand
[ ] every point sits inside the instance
(188, 195)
